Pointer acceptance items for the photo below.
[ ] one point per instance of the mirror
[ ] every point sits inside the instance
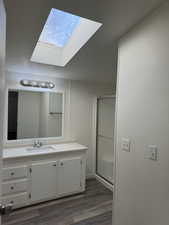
(34, 114)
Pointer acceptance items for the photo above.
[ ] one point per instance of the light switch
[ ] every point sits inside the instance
(126, 144)
(152, 152)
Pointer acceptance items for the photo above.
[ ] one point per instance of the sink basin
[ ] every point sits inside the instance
(39, 149)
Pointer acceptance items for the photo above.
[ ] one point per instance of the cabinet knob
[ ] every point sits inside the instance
(12, 173)
(12, 187)
(54, 164)
(61, 163)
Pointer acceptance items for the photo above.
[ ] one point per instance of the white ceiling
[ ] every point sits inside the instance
(96, 61)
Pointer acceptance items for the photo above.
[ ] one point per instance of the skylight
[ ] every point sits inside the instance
(63, 35)
(59, 27)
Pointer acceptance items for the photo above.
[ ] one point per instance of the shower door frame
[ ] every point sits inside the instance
(103, 179)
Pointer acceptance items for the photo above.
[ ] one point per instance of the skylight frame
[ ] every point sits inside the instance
(53, 54)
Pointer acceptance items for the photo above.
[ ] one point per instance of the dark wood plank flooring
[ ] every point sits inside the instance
(94, 207)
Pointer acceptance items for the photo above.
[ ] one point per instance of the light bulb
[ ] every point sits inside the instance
(51, 85)
(34, 83)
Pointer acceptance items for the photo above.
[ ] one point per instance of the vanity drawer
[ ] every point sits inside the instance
(15, 172)
(14, 187)
(17, 200)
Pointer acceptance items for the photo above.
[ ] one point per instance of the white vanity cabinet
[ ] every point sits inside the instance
(34, 178)
(43, 180)
(56, 178)
(70, 175)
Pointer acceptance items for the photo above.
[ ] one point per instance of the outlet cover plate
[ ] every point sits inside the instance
(125, 146)
(153, 152)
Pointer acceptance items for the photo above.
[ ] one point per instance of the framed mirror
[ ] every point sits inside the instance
(33, 114)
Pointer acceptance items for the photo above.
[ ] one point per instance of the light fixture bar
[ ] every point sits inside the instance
(37, 84)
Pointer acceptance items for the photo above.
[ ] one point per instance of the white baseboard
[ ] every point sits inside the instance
(90, 176)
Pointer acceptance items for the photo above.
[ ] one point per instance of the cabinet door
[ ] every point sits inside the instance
(69, 176)
(44, 180)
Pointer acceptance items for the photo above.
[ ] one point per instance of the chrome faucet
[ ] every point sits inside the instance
(37, 144)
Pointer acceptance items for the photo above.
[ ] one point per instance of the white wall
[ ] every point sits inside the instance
(142, 191)
(2, 78)
(79, 100)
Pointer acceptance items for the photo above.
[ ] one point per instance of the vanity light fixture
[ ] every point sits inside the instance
(37, 84)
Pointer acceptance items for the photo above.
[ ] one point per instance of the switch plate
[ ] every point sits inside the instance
(126, 144)
(153, 152)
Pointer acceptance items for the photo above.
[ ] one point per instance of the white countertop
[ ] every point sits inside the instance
(19, 152)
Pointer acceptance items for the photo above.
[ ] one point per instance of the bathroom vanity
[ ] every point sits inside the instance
(33, 175)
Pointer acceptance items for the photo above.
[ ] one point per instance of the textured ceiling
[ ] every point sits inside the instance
(96, 61)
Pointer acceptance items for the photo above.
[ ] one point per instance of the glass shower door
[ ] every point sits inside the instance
(105, 138)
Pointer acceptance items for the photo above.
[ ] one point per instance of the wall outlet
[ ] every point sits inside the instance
(152, 152)
(126, 144)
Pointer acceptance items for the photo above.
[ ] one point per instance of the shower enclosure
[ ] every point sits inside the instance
(105, 138)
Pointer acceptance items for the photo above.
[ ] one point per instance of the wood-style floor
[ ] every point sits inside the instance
(94, 207)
